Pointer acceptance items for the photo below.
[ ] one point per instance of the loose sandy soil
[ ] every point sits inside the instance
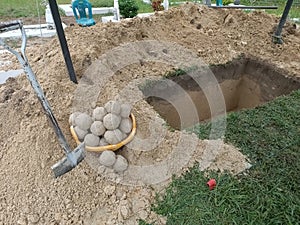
(89, 194)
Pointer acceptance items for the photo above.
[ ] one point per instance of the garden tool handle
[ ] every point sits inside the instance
(13, 25)
(72, 157)
(10, 25)
(33, 81)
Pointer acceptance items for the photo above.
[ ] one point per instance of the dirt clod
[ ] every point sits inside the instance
(113, 136)
(103, 142)
(72, 118)
(83, 121)
(99, 113)
(111, 121)
(80, 133)
(91, 140)
(126, 125)
(97, 128)
(113, 107)
(121, 164)
(125, 110)
(107, 158)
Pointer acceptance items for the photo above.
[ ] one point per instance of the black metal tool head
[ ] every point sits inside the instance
(71, 160)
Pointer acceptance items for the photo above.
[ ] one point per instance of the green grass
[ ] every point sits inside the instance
(143, 7)
(267, 194)
(294, 12)
(29, 8)
(18, 8)
(142, 222)
(102, 3)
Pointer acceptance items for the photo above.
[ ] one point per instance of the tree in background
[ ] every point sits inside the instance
(128, 8)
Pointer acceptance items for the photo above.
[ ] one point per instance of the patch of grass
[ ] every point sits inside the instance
(143, 7)
(294, 12)
(102, 3)
(143, 222)
(182, 71)
(16, 8)
(29, 8)
(175, 73)
(267, 194)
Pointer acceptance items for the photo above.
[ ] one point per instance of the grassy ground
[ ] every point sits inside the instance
(17, 8)
(294, 12)
(31, 8)
(269, 192)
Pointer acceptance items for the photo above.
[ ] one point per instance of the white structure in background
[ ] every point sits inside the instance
(206, 2)
(4, 75)
(115, 17)
(166, 4)
(116, 10)
(49, 18)
(35, 30)
(68, 11)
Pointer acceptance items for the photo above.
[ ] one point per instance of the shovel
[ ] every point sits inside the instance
(72, 158)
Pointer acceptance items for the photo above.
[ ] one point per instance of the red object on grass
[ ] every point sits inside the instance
(211, 184)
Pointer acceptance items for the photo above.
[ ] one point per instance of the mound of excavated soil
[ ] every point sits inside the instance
(29, 193)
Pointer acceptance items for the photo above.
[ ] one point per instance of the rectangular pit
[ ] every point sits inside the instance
(245, 83)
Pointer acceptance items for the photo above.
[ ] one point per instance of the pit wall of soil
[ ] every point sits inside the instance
(272, 80)
(245, 82)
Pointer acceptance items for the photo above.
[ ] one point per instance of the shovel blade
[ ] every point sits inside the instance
(70, 161)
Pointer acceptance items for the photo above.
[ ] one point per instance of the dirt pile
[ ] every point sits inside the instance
(30, 194)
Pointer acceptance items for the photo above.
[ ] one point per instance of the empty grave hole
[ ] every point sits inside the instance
(244, 82)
